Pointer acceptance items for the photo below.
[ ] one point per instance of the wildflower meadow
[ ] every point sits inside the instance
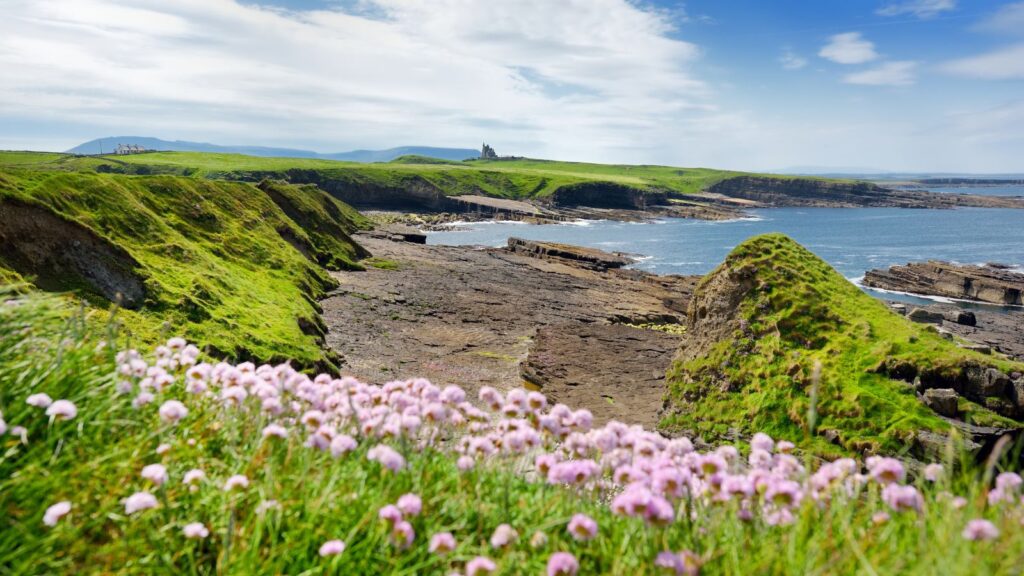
(166, 461)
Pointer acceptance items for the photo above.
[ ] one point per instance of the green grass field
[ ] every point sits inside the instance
(519, 179)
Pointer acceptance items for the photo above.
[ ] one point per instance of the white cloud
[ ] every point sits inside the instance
(1006, 63)
(1009, 19)
(899, 73)
(921, 8)
(848, 48)
(585, 78)
(791, 60)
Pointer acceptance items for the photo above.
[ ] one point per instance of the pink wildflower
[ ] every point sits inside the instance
(173, 411)
(402, 534)
(139, 502)
(237, 481)
(933, 472)
(193, 477)
(442, 543)
(562, 564)
(341, 445)
(684, 563)
(275, 431)
(582, 527)
(480, 566)
(387, 456)
(62, 410)
(504, 535)
(886, 470)
(390, 514)
(39, 400)
(155, 473)
(332, 548)
(902, 498)
(410, 504)
(195, 531)
(56, 512)
(980, 530)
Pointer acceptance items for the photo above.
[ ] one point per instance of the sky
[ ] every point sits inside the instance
(897, 85)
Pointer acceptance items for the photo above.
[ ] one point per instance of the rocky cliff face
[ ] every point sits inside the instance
(781, 192)
(607, 195)
(578, 255)
(990, 283)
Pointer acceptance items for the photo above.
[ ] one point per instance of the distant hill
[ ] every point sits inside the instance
(107, 144)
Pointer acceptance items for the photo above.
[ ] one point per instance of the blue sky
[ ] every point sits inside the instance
(904, 85)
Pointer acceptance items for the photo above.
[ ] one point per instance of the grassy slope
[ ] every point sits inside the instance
(803, 312)
(216, 262)
(518, 179)
(94, 462)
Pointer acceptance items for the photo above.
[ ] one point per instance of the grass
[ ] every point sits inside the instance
(94, 462)
(232, 265)
(515, 179)
(797, 312)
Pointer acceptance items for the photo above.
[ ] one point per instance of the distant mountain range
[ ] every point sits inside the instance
(107, 145)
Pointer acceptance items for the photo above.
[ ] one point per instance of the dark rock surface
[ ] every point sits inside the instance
(843, 194)
(993, 329)
(622, 377)
(990, 283)
(459, 315)
(942, 400)
(61, 254)
(586, 257)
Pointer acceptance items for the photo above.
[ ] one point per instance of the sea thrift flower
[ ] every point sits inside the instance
(20, 431)
(402, 534)
(684, 563)
(442, 543)
(268, 505)
(236, 481)
(39, 400)
(275, 431)
(465, 463)
(562, 564)
(142, 399)
(342, 444)
(504, 535)
(980, 530)
(155, 473)
(193, 477)
(538, 540)
(163, 449)
(390, 514)
(332, 548)
(139, 502)
(387, 456)
(195, 531)
(582, 527)
(56, 512)
(886, 470)
(901, 498)
(62, 410)
(762, 441)
(410, 504)
(933, 472)
(480, 566)
(173, 411)
(880, 517)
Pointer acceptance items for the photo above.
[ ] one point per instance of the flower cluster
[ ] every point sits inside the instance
(642, 475)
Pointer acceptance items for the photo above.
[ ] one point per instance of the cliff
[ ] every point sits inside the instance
(778, 341)
(990, 283)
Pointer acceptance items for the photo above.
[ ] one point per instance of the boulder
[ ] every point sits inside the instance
(990, 283)
(963, 317)
(942, 400)
(925, 316)
(983, 348)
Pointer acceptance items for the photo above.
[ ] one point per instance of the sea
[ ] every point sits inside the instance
(852, 240)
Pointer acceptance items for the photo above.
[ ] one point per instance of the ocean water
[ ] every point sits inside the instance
(852, 240)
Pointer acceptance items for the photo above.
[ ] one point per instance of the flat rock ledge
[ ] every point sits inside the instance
(591, 258)
(991, 283)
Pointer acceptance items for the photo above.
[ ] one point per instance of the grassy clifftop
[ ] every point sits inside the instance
(235, 266)
(762, 321)
(518, 179)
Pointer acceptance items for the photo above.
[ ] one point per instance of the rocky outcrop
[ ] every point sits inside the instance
(990, 283)
(607, 195)
(785, 191)
(60, 254)
(581, 256)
